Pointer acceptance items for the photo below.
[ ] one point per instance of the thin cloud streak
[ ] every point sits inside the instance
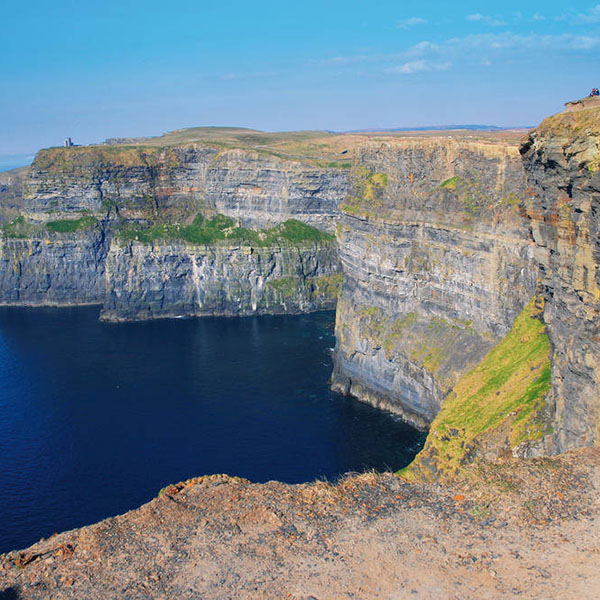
(479, 18)
(419, 66)
(410, 22)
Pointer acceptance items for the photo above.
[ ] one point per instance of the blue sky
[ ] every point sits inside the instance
(93, 70)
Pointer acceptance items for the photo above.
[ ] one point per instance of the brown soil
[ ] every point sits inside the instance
(512, 529)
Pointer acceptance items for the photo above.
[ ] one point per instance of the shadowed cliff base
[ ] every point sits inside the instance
(508, 529)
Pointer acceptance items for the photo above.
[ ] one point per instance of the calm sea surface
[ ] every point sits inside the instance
(95, 418)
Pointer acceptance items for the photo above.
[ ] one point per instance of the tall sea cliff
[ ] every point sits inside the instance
(442, 253)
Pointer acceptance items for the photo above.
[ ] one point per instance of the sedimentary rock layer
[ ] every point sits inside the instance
(259, 189)
(63, 219)
(53, 270)
(437, 262)
(149, 281)
(562, 159)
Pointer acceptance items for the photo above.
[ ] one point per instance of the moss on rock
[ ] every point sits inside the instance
(502, 401)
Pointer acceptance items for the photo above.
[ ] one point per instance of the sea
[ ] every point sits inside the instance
(95, 418)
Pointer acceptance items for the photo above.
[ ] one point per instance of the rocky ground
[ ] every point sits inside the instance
(507, 530)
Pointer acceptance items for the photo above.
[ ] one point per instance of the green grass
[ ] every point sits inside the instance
(332, 164)
(287, 286)
(18, 228)
(21, 228)
(71, 225)
(450, 184)
(502, 400)
(222, 229)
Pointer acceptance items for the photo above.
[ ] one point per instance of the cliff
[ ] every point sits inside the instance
(437, 262)
(140, 229)
(537, 391)
(443, 242)
(141, 182)
(562, 160)
(175, 279)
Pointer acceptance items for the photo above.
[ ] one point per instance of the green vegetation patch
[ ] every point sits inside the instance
(450, 184)
(328, 286)
(288, 287)
(71, 225)
(324, 164)
(222, 229)
(366, 193)
(384, 331)
(19, 228)
(500, 402)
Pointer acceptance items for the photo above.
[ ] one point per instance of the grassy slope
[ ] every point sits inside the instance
(502, 400)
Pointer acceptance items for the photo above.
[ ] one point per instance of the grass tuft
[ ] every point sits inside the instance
(71, 225)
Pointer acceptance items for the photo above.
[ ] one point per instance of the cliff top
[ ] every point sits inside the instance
(584, 119)
(587, 102)
(326, 148)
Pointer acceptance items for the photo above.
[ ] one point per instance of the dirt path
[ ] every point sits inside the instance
(514, 530)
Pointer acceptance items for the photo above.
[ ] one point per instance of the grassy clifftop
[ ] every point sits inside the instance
(321, 149)
(572, 123)
(500, 403)
(67, 160)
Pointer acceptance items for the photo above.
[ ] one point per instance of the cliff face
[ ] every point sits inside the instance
(53, 270)
(64, 221)
(562, 159)
(437, 262)
(150, 281)
(11, 192)
(442, 241)
(139, 182)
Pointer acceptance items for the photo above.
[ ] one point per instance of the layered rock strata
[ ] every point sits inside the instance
(138, 182)
(562, 160)
(53, 270)
(63, 220)
(438, 263)
(150, 281)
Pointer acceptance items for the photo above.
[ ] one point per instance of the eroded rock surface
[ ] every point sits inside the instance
(562, 160)
(438, 262)
(147, 281)
(102, 190)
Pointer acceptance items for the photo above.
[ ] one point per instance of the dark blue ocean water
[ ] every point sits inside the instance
(95, 418)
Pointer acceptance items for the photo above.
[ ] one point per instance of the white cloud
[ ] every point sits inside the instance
(410, 22)
(479, 18)
(512, 41)
(589, 17)
(419, 66)
(484, 49)
(422, 49)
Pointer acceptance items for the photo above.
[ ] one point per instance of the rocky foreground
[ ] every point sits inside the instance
(509, 530)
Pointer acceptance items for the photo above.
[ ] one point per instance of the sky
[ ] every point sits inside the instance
(93, 70)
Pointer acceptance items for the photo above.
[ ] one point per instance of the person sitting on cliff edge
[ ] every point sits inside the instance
(594, 93)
